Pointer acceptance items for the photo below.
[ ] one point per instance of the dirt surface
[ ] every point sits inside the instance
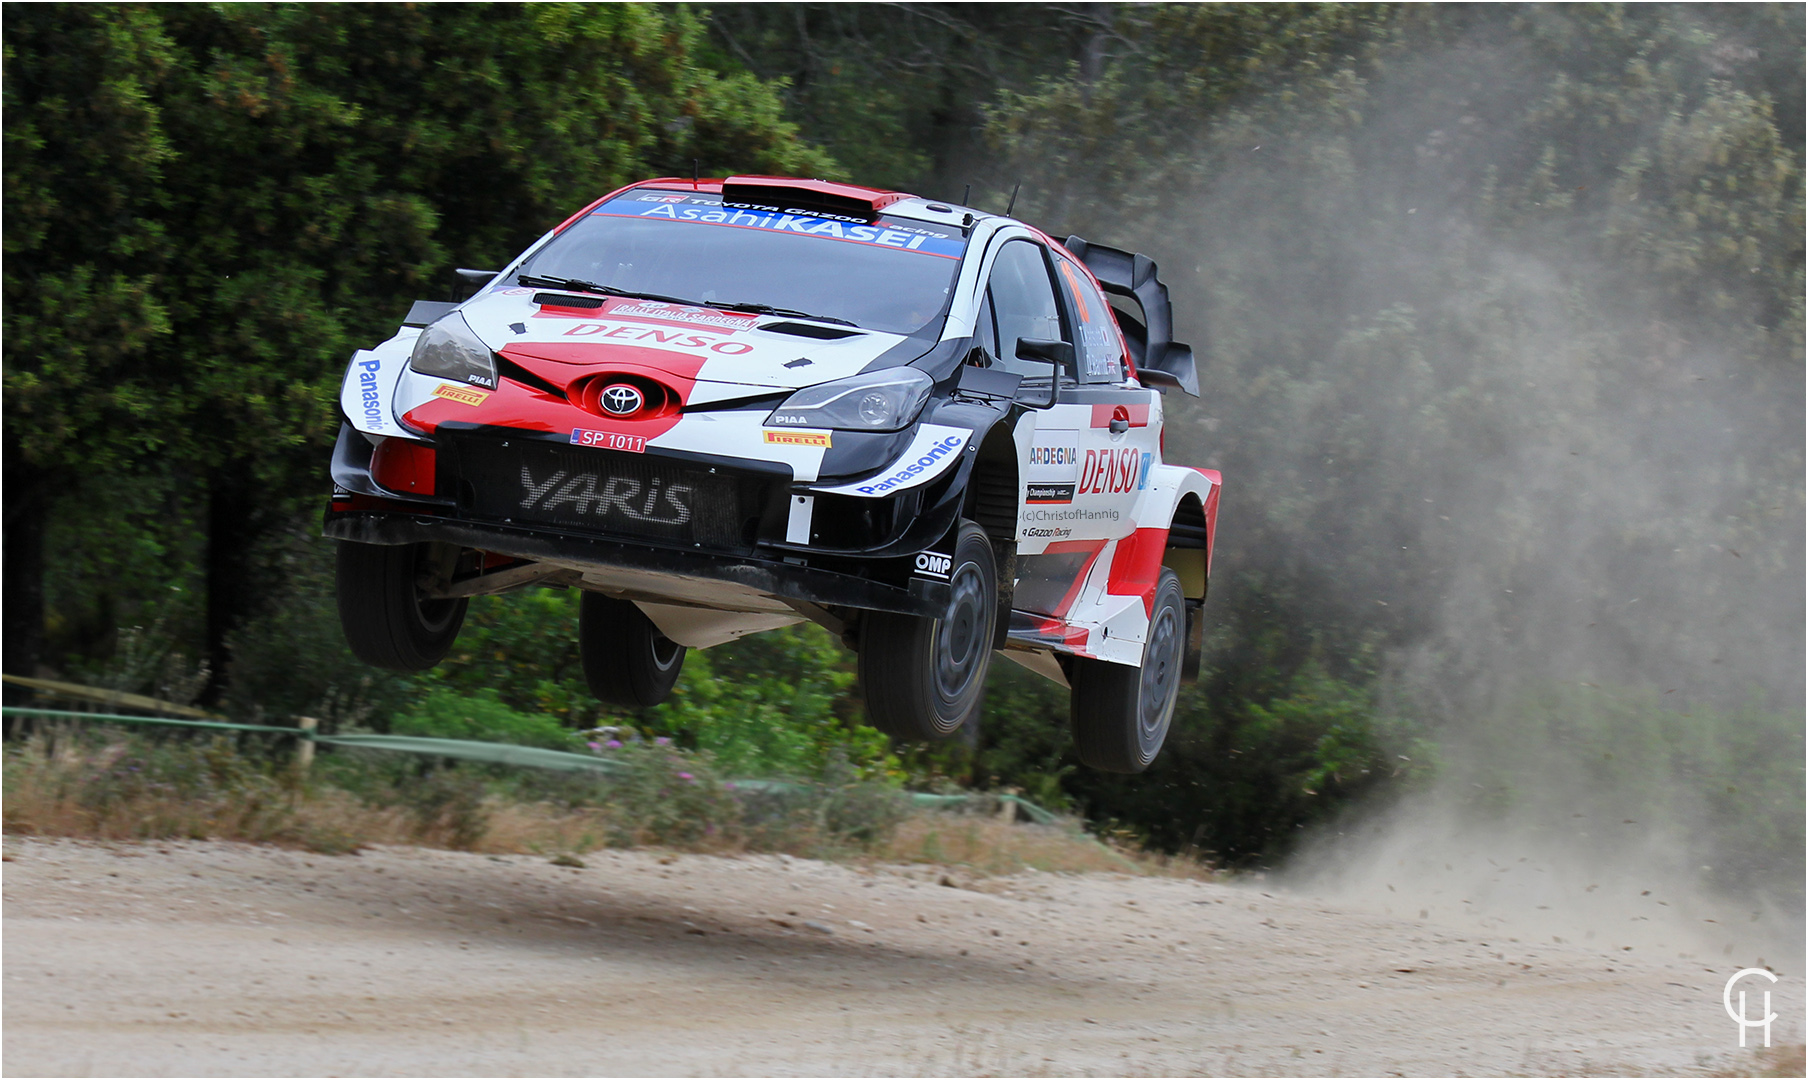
(221, 959)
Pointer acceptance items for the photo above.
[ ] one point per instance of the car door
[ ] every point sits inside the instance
(1120, 438)
(1063, 524)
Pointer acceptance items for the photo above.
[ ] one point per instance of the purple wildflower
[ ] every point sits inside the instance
(594, 745)
(613, 744)
(685, 776)
(662, 741)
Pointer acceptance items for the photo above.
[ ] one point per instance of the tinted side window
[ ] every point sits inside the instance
(1100, 356)
(985, 329)
(1023, 302)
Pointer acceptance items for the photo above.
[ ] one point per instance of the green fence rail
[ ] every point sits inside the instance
(115, 718)
(503, 754)
(489, 753)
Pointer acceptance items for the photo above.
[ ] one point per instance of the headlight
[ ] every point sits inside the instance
(876, 401)
(450, 350)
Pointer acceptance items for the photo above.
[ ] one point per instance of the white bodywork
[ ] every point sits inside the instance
(732, 358)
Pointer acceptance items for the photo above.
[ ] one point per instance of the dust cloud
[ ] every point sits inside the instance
(1452, 388)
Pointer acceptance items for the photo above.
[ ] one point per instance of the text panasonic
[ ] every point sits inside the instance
(367, 389)
(936, 453)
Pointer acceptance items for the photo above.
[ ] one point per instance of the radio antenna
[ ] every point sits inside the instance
(1013, 203)
(696, 169)
(966, 193)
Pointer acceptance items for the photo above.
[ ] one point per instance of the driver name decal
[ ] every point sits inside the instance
(729, 322)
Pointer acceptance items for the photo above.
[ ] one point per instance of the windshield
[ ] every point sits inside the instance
(892, 275)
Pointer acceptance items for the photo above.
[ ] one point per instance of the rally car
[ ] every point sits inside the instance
(724, 406)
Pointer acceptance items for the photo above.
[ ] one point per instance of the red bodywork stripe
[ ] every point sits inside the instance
(517, 406)
(1137, 415)
(1136, 567)
(877, 198)
(570, 221)
(403, 466)
(1211, 514)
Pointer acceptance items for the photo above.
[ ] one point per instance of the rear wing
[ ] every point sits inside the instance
(1160, 360)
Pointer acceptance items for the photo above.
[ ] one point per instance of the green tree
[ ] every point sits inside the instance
(253, 191)
(85, 149)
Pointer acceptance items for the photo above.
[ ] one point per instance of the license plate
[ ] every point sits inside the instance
(609, 440)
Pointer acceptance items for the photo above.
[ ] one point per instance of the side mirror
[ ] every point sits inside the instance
(1058, 353)
(426, 312)
(469, 281)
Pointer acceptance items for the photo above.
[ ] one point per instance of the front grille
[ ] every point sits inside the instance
(600, 491)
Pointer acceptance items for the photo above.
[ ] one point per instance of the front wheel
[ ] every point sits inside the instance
(923, 677)
(1121, 713)
(388, 621)
(627, 661)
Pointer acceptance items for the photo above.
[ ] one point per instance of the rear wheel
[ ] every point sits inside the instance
(627, 661)
(923, 677)
(387, 620)
(1120, 713)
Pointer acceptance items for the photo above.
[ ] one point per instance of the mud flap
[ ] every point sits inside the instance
(1195, 642)
(935, 562)
(1004, 555)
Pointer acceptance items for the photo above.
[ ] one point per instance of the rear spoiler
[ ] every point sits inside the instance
(1160, 360)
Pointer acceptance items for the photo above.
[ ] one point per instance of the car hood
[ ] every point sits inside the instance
(719, 355)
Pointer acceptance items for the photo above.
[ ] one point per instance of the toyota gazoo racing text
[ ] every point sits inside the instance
(724, 406)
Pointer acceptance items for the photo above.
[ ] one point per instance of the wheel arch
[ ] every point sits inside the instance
(994, 485)
(993, 490)
(1188, 551)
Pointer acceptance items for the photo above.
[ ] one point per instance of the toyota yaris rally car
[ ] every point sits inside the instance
(724, 406)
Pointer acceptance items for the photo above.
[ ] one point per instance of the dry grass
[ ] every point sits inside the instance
(126, 788)
(1789, 1060)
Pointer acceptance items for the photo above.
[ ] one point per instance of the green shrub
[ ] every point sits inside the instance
(780, 703)
(481, 715)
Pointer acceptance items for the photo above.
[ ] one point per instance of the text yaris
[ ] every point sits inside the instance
(656, 503)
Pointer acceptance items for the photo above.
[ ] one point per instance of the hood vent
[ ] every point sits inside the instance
(547, 299)
(821, 333)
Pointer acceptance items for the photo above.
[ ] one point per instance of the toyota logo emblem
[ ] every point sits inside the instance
(622, 399)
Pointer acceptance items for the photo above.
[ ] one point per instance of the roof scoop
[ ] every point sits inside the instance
(808, 196)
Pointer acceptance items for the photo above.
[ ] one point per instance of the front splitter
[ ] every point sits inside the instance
(691, 577)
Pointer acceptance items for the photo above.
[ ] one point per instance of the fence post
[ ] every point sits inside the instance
(304, 753)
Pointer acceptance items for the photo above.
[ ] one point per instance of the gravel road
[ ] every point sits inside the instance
(205, 958)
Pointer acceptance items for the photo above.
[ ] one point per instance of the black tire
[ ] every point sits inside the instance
(627, 661)
(386, 620)
(924, 677)
(1120, 713)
